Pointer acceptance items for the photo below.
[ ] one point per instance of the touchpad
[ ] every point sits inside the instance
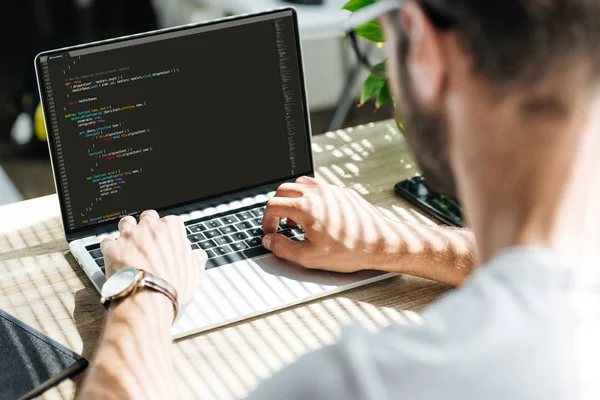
(273, 265)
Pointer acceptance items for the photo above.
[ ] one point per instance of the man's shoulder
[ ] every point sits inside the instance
(510, 332)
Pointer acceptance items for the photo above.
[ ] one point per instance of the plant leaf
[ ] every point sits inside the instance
(371, 88)
(380, 67)
(354, 5)
(383, 96)
(370, 31)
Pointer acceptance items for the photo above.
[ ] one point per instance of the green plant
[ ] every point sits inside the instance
(376, 85)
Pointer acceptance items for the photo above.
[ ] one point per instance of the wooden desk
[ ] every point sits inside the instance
(42, 285)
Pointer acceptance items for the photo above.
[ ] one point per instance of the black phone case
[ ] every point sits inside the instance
(406, 194)
(31, 362)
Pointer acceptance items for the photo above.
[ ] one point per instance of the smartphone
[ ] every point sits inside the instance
(442, 208)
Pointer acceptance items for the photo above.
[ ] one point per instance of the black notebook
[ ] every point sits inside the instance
(30, 362)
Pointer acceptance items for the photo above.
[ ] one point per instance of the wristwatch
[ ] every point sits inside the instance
(128, 280)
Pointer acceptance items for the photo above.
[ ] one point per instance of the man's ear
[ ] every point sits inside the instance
(426, 59)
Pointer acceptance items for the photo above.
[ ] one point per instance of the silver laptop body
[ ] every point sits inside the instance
(138, 123)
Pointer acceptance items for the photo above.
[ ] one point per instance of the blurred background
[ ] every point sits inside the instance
(27, 27)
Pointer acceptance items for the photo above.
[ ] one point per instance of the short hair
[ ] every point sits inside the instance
(523, 41)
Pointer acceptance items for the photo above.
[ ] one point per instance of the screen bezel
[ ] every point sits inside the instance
(92, 230)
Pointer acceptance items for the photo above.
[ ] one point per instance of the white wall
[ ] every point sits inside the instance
(326, 59)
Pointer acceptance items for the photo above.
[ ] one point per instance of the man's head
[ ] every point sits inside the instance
(456, 64)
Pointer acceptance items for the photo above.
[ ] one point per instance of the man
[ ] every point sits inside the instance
(501, 105)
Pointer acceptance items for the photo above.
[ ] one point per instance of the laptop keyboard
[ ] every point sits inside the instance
(227, 237)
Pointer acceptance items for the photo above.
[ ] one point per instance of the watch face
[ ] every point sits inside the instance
(120, 282)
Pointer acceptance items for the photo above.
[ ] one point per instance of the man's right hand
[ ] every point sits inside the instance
(159, 246)
(344, 233)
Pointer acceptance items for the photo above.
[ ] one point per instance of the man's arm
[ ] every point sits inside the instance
(134, 358)
(438, 253)
(134, 355)
(344, 233)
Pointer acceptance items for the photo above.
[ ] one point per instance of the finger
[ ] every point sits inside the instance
(184, 256)
(105, 247)
(126, 224)
(149, 214)
(201, 256)
(175, 222)
(282, 207)
(291, 222)
(106, 244)
(307, 180)
(290, 190)
(200, 259)
(286, 248)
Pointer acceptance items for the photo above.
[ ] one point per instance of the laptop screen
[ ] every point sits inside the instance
(175, 117)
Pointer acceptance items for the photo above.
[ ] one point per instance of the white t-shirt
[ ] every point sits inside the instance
(523, 327)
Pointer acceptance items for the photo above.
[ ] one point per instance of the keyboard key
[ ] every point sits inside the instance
(244, 225)
(197, 228)
(100, 262)
(238, 246)
(259, 212)
(244, 215)
(239, 236)
(210, 254)
(237, 256)
(297, 231)
(213, 224)
(228, 259)
(212, 234)
(255, 252)
(256, 232)
(221, 251)
(196, 238)
(92, 247)
(257, 221)
(96, 253)
(284, 225)
(209, 244)
(222, 240)
(195, 246)
(254, 242)
(287, 232)
(226, 230)
(103, 270)
(229, 220)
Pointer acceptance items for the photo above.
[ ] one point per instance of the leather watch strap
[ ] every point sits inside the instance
(145, 279)
(160, 285)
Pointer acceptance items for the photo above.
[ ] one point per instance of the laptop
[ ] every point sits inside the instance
(203, 121)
